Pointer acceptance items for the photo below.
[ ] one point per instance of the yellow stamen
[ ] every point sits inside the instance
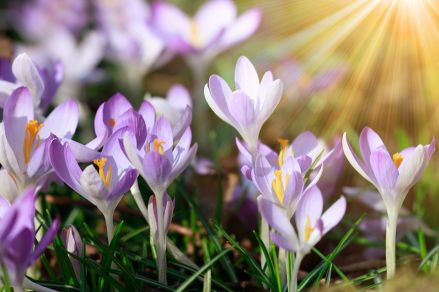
(106, 177)
(158, 146)
(194, 34)
(278, 185)
(308, 228)
(112, 122)
(397, 159)
(283, 146)
(30, 133)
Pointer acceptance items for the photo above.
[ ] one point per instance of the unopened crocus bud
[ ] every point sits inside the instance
(73, 244)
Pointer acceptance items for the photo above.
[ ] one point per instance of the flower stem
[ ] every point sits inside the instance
(175, 252)
(161, 240)
(294, 276)
(135, 191)
(392, 218)
(265, 236)
(201, 109)
(110, 226)
(283, 265)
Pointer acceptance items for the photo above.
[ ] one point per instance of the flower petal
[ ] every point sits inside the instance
(19, 109)
(65, 165)
(275, 216)
(217, 93)
(8, 188)
(385, 171)
(310, 207)
(242, 28)
(157, 170)
(411, 169)
(182, 123)
(179, 97)
(246, 77)
(212, 18)
(27, 74)
(356, 163)
(334, 214)
(242, 108)
(46, 240)
(62, 121)
(131, 152)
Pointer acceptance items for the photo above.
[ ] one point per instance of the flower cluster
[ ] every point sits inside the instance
(288, 181)
(134, 35)
(36, 150)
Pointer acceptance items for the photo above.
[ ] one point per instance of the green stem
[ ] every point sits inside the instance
(265, 236)
(283, 265)
(392, 218)
(294, 276)
(161, 240)
(110, 226)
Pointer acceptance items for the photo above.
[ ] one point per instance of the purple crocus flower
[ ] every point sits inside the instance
(311, 224)
(283, 184)
(159, 162)
(130, 39)
(301, 85)
(36, 19)
(173, 105)
(73, 244)
(104, 187)
(78, 58)
(42, 82)
(24, 140)
(17, 235)
(249, 106)
(214, 28)
(393, 176)
(114, 114)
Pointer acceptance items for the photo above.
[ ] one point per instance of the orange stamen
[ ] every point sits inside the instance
(30, 134)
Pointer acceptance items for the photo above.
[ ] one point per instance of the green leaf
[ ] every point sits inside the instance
(201, 271)
(255, 268)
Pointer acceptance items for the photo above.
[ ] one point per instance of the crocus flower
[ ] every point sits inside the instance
(36, 19)
(311, 224)
(72, 242)
(392, 175)
(173, 105)
(24, 140)
(42, 82)
(79, 59)
(249, 106)
(301, 85)
(283, 185)
(17, 235)
(159, 162)
(104, 187)
(214, 28)
(114, 114)
(130, 39)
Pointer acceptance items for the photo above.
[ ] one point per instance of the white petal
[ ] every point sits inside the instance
(353, 159)
(409, 169)
(132, 153)
(27, 74)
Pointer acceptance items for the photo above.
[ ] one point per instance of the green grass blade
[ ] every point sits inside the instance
(201, 271)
